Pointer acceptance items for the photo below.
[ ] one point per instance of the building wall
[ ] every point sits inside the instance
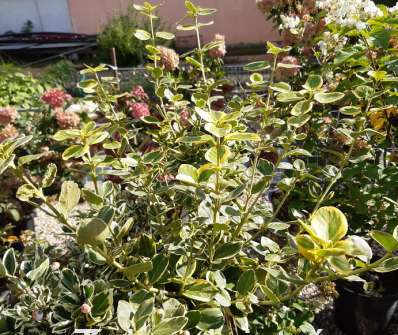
(239, 20)
(46, 15)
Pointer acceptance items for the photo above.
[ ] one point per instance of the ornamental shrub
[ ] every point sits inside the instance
(179, 237)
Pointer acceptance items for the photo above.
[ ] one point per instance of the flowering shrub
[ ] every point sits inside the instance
(179, 237)
(55, 98)
(8, 115)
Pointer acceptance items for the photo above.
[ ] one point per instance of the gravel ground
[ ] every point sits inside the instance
(48, 229)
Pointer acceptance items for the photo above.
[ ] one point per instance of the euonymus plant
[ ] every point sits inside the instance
(179, 237)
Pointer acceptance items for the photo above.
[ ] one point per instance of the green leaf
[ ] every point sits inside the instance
(160, 263)
(39, 271)
(298, 152)
(146, 246)
(186, 27)
(242, 137)
(257, 66)
(66, 134)
(193, 62)
(143, 312)
(95, 257)
(227, 250)
(10, 262)
(257, 78)
(274, 50)
(395, 232)
(215, 156)
(200, 290)
(388, 265)
(211, 318)
(124, 230)
(69, 196)
(106, 213)
(200, 139)
(74, 151)
(340, 264)
(134, 270)
(142, 35)
(170, 326)
(102, 303)
(308, 329)
(88, 86)
(49, 175)
(28, 159)
(124, 315)
(6, 163)
(356, 246)
(113, 145)
(265, 167)
(386, 240)
(94, 232)
(270, 294)
(152, 157)
(165, 35)
(288, 66)
(192, 9)
(329, 224)
(302, 107)
(246, 282)
(193, 318)
(185, 266)
(281, 87)
(92, 198)
(289, 97)
(220, 131)
(299, 120)
(306, 246)
(187, 173)
(350, 110)
(26, 192)
(313, 82)
(260, 185)
(363, 92)
(206, 116)
(70, 280)
(206, 11)
(328, 98)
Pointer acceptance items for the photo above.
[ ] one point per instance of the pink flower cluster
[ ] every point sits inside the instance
(9, 131)
(139, 110)
(138, 93)
(67, 120)
(169, 58)
(221, 49)
(55, 97)
(7, 115)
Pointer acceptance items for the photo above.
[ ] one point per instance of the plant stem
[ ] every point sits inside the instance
(202, 68)
(330, 277)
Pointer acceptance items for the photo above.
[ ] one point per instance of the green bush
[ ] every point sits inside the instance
(119, 34)
(177, 237)
(19, 89)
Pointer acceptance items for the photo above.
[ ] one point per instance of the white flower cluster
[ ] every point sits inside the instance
(351, 13)
(331, 43)
(394, 9)
(291, 23)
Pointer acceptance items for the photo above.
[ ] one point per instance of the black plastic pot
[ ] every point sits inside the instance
(357, 313)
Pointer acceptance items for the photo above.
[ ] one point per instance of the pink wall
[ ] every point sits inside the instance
(238, 20)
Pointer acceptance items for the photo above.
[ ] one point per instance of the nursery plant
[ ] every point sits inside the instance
(179, 237)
